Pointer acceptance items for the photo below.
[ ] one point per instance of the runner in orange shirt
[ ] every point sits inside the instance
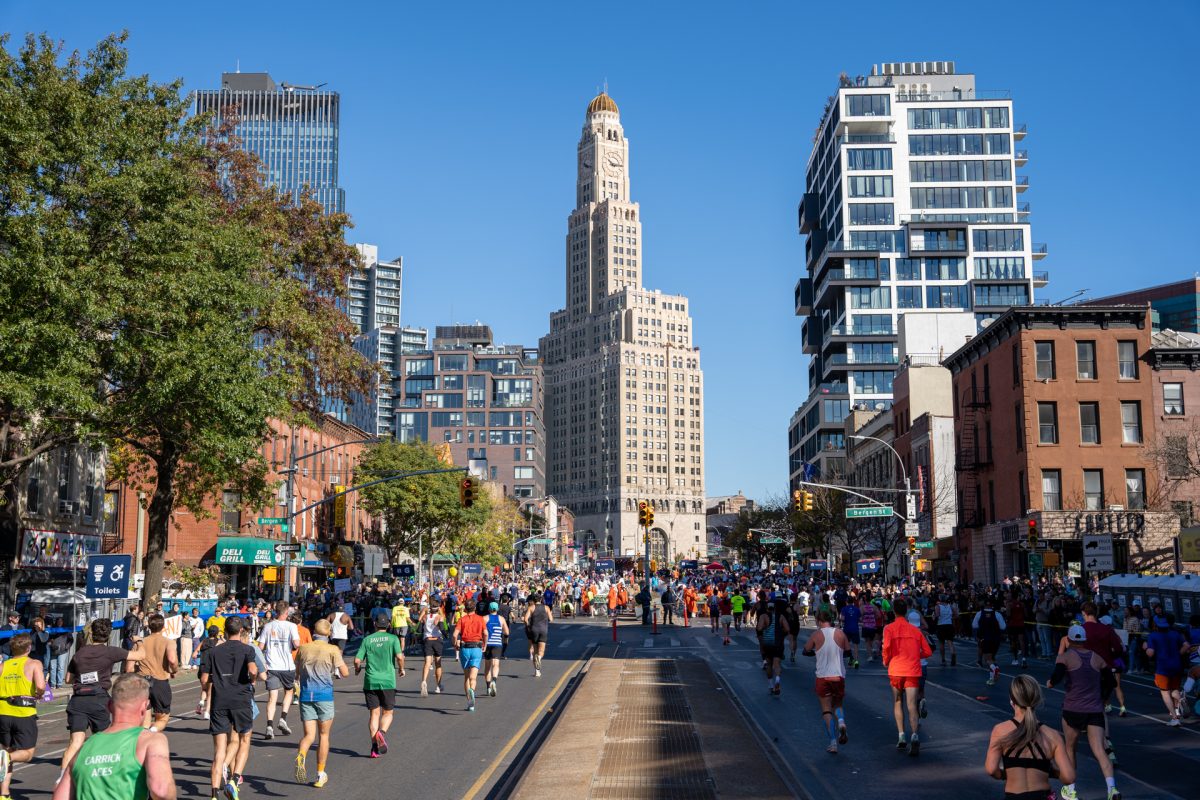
(903, 648)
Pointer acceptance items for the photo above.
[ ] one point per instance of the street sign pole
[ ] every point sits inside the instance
(287, 534)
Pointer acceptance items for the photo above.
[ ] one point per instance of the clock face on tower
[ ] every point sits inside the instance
(612, 164)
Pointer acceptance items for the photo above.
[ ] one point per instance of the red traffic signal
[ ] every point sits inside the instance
(466, 492)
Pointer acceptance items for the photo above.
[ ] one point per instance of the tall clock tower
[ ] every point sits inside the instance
(624, 391)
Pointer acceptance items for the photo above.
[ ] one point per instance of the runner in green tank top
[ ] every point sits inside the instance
(124, 762)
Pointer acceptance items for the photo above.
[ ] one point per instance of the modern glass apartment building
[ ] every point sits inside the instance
(292, 129)
(375, 290)
(912, 201)
(375, 412)
(485, 400)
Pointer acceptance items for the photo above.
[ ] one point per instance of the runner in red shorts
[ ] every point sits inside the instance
(829, 645)
(903, 648)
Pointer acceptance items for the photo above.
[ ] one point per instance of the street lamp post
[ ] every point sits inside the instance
(909, 506)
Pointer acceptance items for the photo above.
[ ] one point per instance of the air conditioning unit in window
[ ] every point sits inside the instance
(66, 507)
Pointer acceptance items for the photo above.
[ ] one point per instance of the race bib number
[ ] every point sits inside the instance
(89, 677)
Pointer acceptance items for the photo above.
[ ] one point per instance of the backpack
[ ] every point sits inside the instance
(989, 628)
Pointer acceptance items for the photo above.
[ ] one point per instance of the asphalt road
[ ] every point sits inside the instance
(1154, 761)
(437, 748)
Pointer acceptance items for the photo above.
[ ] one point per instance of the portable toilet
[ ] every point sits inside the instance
(1181, 596)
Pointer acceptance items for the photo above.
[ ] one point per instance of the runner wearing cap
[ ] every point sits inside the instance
(497, 632)
(469, 637)
(1083, 706)
(380, 653)
(1166, 646)
(400, 616)
(317, 662)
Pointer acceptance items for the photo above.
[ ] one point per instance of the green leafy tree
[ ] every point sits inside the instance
(825, 526)
(746, 534)
(205, 302)
(423, 512)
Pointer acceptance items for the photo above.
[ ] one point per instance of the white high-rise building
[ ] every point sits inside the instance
(624, 390)
(375, 290)
(912, 204)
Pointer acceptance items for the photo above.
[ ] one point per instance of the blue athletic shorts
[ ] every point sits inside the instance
(470, 657)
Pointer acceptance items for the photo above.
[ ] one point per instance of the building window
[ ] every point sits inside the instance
(1051, 490)
(868, 105)
(1093, 490)
(523, 473)
(1131, 422)
(1127, 360)
(1173, 399)
(1089, 423)
(1016, 363)
(1019, 418)
(1023, 490)
(33, 489)
(231, 513)
(1047, 423)
(1085, 361)
(1177, 457)
(1045, 361)
(1135, 488)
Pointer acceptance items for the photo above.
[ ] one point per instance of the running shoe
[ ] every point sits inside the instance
(200, 708)
(1173, 722)
(902, 742)
(991, 681)
(283, 727)
(843, 737)
(321, 780)
(374, 750)
(491, 688)
(914, 747)
(5, 763)
(1067, 793)
(424, 689)
(832, 747)
(380, 743)
(1108, 708)
(301, 769)
(231, 790)
(922, 709)
(1123, 712)
(270, 734)
(438, 689)
(470, 699)
(1114, 793)
(537, 673)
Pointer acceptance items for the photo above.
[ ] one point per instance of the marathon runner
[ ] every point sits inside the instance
(90, 673)
(772, 628)
(228, 673)
(124, 761)
(737, 602)
(537, 628)
(1023, 752)
(497, 634)
(1167, 646)
(829, 646)
(871, 621)
(851, 618)
(988, 626)
(945, 613)
(380, 653)
(1083, 705)
(316, 664)
(903, 648)
(469, 636)
(278, 640)
(400, 616)
(22, 683)
(917, 621)
(159, 665)
(430, 624)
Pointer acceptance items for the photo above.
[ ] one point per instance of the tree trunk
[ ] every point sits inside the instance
(162, 503)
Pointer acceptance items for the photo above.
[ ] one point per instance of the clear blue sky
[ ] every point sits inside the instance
(459, 124)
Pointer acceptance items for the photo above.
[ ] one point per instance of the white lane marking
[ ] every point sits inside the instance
(565, 642)
(648, 643)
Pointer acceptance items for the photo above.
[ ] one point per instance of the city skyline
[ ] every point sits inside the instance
(424, 149)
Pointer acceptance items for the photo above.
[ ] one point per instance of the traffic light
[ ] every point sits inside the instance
(466, 492)
(912, 545)
(643, 513)
(797, 500)
(808, 501)
(1031, 536)
(649, 515)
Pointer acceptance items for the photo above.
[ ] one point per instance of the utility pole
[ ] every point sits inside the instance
(287, 531)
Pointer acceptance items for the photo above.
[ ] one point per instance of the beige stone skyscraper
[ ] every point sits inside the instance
(624, 391)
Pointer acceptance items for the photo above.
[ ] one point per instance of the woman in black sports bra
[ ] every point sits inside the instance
(1024, 753)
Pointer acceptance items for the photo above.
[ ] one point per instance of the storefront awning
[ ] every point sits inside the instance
(248, 551)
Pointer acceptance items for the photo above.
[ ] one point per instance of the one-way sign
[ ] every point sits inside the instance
(1098, 553)
(288, 547)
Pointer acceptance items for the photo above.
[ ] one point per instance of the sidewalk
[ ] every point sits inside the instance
(642, 729)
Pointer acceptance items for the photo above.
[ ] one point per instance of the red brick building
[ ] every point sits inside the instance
(193, 540)
(1054, 411)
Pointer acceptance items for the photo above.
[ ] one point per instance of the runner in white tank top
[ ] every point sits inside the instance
(829, 645)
